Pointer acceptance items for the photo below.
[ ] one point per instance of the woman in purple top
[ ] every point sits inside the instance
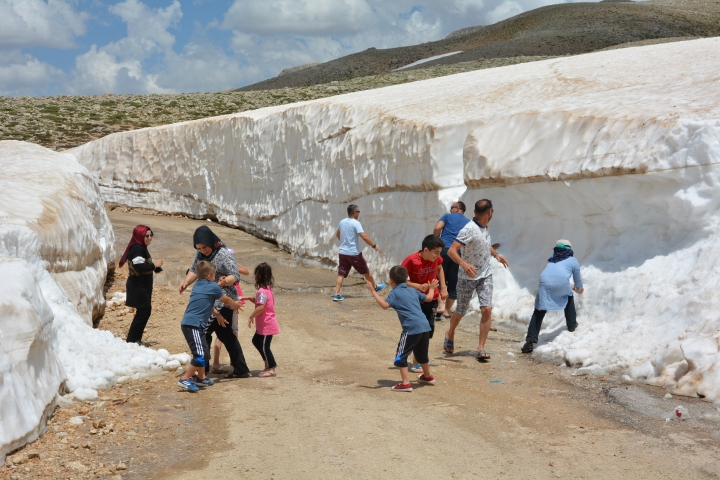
(447, 229)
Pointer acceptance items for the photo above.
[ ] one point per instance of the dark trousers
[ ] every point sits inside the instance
(225, 334)
(262, 343)
(450, 269)
(538, 315)
(137, 327)
(429, 309)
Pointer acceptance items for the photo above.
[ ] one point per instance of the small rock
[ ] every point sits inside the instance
(510, 354)
(61, 434)
(93, 432)
(100, 405)
(552, 464)
(131, 433)
(99, 423)
(603, 379)
(18, 459)
(77, 466)
(74, 445)
(76, 421)
(116, 477)
(31, 455)
(667, 395)
(121, 466)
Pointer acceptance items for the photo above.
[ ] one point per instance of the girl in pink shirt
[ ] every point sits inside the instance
(264, 317)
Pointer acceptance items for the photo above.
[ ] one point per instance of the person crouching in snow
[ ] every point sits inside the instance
(415, 336)
(555, 292)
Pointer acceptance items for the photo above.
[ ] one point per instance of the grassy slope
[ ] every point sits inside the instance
(564, 29)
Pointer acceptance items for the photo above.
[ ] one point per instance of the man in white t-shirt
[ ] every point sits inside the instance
(351, 257)
(475, 274)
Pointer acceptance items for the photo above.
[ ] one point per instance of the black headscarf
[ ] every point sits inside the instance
(205, 236)
(560, 254)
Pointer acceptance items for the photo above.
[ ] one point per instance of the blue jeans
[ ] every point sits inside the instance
(538, 315)
(450, 269)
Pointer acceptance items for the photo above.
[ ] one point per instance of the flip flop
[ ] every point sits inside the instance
(267, 373)
(449, 345)
(482, 356)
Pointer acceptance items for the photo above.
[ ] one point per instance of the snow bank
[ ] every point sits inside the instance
(617, 151)
(55, 244)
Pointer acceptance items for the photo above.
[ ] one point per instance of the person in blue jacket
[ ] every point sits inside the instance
(555, 292)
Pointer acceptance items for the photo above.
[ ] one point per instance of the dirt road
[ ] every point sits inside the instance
(330, 412)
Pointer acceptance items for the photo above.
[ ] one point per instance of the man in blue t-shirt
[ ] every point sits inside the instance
(415, 335)
(447, 229)
(351, 257)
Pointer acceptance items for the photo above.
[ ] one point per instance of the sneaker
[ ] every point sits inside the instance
(422, 378)
(528, 347)
(380, 286)
(338, 298)
(402, 387)
(188, 385)
(205, 382)
(416, 368)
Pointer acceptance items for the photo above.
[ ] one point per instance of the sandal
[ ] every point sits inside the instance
(416, 368)
(267, 373)
(482, 356)
(449, 345)
(220, 370)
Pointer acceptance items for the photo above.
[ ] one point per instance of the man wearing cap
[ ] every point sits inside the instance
(555, 292)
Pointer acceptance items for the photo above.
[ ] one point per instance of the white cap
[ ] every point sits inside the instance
(564, 242)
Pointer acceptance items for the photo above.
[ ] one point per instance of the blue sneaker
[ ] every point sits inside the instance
(205, 382)
(188, 385)
(380, 286)
(338, 298)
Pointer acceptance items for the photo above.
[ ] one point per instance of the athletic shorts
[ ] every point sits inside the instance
(348, 262)
(429, 309)
(465, 289)
(417, 344)
(198, 345)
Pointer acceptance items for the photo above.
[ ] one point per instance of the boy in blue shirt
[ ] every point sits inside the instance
(194, 323)
(415, 336)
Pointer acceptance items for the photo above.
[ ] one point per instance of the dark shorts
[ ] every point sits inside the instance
(417, 344)
(348, 262)
(451, 270)
(429, 309)
(198, 345)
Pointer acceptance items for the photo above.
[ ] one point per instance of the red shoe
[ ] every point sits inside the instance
(402, 387)
(422, 378)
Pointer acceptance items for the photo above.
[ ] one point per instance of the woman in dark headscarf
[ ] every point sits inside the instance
(140, 280)
(210, 248)
(555, 292)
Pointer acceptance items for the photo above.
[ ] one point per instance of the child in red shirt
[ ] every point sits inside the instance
(423, 267)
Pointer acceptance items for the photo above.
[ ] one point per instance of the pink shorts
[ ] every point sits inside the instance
(348, 262)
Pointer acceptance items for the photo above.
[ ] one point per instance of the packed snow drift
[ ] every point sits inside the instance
(617, 151)
(56, 242)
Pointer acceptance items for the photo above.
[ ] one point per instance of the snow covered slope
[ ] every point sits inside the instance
(55, 244)
(615, 150)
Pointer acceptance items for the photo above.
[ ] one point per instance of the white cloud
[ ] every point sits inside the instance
(150, 25)
(299, 17)
(25, 75)
(503, 11)
(31, 23)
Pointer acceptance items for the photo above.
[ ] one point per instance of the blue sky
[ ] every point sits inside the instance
(50, 47)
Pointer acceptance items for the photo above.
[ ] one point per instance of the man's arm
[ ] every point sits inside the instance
(337, 234)
(381, 301)
(438, 228)
(364, 236)
(499, 257)
(469, 269)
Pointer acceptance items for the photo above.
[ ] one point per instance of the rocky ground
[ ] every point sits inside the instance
(330, 413)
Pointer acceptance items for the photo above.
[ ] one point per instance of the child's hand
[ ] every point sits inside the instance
(215, 312)
(434, 284)
(251, 320)
(370, 285)
(425, 287)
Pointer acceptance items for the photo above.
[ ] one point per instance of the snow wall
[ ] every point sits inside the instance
(56, 242)
(617, 151)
